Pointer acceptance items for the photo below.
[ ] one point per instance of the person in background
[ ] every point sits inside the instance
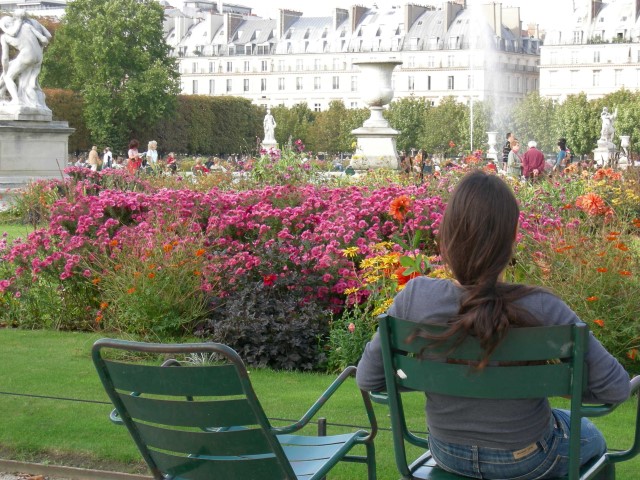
(533, 162)
(494, 438)
(107, 158)
(134, 158)
(94, 159)
(514, 161)
(172, 164)
(199, 168)
(561, 156)
(152, 154)
(506, 149)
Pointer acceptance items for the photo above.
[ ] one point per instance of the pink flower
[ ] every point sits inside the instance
(351, 327)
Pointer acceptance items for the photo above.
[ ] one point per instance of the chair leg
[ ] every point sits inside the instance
(371, 461)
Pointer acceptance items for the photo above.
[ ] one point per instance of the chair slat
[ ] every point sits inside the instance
(308, 468)
(521, 344)
(223, 413)
(535, 381)
(211, 380)
(320, 452)
(194, 468)
(301, 440)
(221, 443)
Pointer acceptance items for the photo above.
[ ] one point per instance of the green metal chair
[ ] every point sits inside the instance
(205, 422)
(537, 373)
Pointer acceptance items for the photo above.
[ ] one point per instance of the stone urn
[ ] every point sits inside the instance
(376, 140)
(623, 161)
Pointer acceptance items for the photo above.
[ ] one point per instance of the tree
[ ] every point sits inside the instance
(579, 123)
(534, 119)
(407, 115)
(292, 122)
(113, 52)
(443, 127)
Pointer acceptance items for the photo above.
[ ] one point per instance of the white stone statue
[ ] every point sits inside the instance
(269, 124)
(608, 130)
(20, 75)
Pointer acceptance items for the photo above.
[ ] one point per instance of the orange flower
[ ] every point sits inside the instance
(601, 254)
(99, 318)
(615, 234)
(599, 322)
(602, 270)
(96, 280)
(636, 222)
(402, 278)
(117, 268)
(113, 243)
(131, 290)
(167, 247)
(565, 248)
(103, 305)
(592, 204)
(400, 207)
(151, 275)
(623, 247)
(200, 252)
(196, 273)
(625, 273)
(136, 274)
(632, 354)
(567, 206)
(592, 299)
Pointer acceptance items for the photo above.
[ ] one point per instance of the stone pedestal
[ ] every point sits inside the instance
(19, 113)
(604, 154)
(492, 153)
(31, 151)
(376, 148)
(268, 144)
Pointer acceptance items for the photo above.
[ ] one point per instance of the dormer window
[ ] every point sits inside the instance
(343, 33)
(307, 33)
(288, 37)
(419, 22)
(379, 32)
(324, 33)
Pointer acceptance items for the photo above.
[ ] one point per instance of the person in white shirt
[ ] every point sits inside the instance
(107, 158)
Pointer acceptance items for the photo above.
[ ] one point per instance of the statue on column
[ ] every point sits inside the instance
(607, 131)
(20, 75)
(269, 124)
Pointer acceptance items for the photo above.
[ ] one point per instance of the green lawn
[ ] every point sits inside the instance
(15, 230)
(58, 364)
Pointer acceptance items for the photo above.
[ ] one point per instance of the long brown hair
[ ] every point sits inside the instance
(476, 241)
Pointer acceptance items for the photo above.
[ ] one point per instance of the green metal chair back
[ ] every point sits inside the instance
(530, 363)
(197, 423)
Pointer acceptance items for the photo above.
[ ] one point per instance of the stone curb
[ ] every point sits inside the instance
(71, 473)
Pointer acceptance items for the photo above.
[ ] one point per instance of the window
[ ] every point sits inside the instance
(298, 83)
(469, 82)
(428, 82)
(573, 78)
(316, 64)
(354, 83)
(246, 85)
(281, 83)
(316, 107)
(450, 61)
(212, 87)
(336, 82)
(577, 37)
(574, 56)
(431, 61)
(280, 65)
(229, 66)
(412, 62)
(411, 85)
(354, 105)
(229, 84)
(263, 84)
(317, 83)
(596, 56)
(618, 78)
(596, 78)
(263, 65)
(211, 67)
(195, 87)
(336, 64)
(247, 66)
(450, 82)
(194, 67)
(299, 64)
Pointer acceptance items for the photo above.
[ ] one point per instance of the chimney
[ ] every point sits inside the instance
(220, 7)
(594, 8)
(511, 19)
(285, 19)
(411, 14)
(357, 12)
(340, 15)
(636, 9)
(231, 23)
(493, 14)
(450, 11)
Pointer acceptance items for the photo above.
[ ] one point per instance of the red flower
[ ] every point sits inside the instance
(592, 204)
(451, 144)
(269, 280)
(400, 207)
(402, 278)
(599, 322)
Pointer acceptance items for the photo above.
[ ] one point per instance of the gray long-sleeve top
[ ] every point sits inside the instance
(506, 424)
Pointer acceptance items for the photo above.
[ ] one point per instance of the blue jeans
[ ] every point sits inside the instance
(547, 458)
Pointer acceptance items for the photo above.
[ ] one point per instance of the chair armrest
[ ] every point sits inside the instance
(304, 420)
(635, 447)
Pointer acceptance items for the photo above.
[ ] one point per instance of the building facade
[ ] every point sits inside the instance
(597, 51)
(450, 50)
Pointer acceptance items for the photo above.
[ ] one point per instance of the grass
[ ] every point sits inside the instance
(58, 364)
(15, 230)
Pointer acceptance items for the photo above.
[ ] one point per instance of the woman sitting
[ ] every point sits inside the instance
(487, 438)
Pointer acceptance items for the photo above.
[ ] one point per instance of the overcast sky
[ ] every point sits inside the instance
(543, 12)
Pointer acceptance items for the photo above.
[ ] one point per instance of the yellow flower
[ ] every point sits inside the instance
(350, 291)
(383, 307)
(350, 252)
